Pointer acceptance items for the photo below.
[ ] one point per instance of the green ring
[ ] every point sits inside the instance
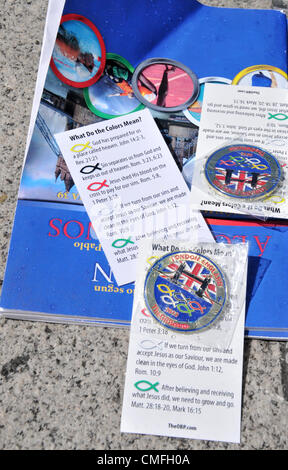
(111, 56)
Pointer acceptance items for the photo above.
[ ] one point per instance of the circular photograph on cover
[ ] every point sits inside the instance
(113, 95)
(193, 113)
(165, 85)
(262, 75)
(78, 57)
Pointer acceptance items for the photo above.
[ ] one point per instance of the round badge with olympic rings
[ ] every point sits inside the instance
(185, 291)
(243, 172)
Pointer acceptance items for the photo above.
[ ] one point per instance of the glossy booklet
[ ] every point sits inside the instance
(104, 64)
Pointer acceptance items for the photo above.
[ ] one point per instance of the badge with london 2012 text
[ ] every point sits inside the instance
(185, 291)
(243, 171)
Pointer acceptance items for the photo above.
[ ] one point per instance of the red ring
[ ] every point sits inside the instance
(74, 17)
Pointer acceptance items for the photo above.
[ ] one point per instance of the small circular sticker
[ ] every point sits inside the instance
(185, 291)
(262, 75)
(243, 172)
(113, 95)
(78, 57)
(165, 85)
(193, 113)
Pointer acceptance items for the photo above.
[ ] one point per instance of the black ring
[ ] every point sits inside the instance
(148, 62)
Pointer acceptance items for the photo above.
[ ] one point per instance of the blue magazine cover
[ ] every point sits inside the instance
(108, 62)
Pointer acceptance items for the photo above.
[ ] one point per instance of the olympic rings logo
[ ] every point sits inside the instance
(253, 163)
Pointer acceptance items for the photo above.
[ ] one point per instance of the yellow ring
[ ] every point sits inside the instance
(168, 291)
(270, 198)
(149, 260)
(254, 68)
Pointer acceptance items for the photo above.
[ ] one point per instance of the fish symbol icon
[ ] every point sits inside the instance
(276, 142)
(278, 116)
(122, 242)
(101, 185)
(88, 169)
(80, 147)
(151, 344)
(145, 386)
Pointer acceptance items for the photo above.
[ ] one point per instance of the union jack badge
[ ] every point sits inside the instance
(243, 171)
(185, 291)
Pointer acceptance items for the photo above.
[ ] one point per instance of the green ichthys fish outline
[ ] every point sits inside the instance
(274, 116)
(125, 241)
(150, 386)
